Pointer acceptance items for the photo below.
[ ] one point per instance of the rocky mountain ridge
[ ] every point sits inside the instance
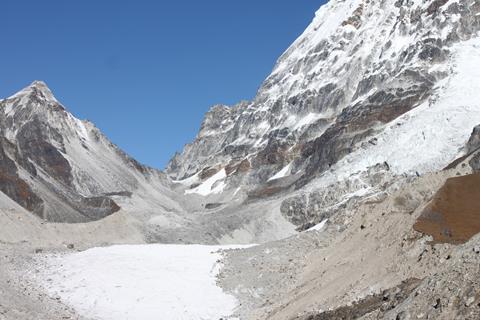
(334, 112)
(61, 168)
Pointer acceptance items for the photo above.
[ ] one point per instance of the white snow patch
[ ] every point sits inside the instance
(263, 126)
(147, 282)
(282, 173)
(236, 191)
(219, 187)
(206, 187)
(308, 119)
(433, 134)
(81, 129)
(318, 227)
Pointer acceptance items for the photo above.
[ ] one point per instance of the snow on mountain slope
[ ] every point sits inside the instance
(352, 51)
(211, 185)
(282, 173)
(140, 282)
(71, 171)
(435, 132)
(370, 91)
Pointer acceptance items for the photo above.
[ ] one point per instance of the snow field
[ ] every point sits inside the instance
(141, 282)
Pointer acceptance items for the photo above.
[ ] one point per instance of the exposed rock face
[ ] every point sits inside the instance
(453, 216)
(352, 93)
(12, 185)
(474, 142)
(58, 167)
(295, 210)
(32, 139)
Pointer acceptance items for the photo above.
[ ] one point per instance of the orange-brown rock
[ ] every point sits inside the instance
(453, 216)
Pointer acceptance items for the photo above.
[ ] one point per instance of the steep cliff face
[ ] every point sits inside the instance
(370, 91)
(61, 168)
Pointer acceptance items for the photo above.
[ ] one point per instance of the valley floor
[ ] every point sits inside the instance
(138, 282)
(20, 297)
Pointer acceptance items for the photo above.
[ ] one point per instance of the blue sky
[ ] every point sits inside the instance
(145, 72)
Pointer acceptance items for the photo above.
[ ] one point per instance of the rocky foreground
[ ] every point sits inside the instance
(368, 263)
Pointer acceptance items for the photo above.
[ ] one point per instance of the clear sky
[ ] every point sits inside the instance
(146, 71)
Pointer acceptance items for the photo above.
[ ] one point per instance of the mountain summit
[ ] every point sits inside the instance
(39, 89)
(42, 88)
(59, 167)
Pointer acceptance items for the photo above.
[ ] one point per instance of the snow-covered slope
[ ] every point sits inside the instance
(433, 134)
(370, 91)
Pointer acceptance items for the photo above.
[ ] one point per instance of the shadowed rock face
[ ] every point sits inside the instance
(435, 5)
(296, 211)
(13, 186)
(358, 122)
(453, 216)
(474, 141)
(98, 207)
(34, 145)
(34, 150)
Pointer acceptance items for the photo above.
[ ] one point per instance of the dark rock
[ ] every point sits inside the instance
(402, 316)
(435, 5)
(13, 186)
(473, 143)
(33, 143)
(369, 304)
(453, 214)
(210, 206)
(296, 211)
(475, 162)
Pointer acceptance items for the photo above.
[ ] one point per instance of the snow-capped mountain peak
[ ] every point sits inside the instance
(69, 169)
(37, 89)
